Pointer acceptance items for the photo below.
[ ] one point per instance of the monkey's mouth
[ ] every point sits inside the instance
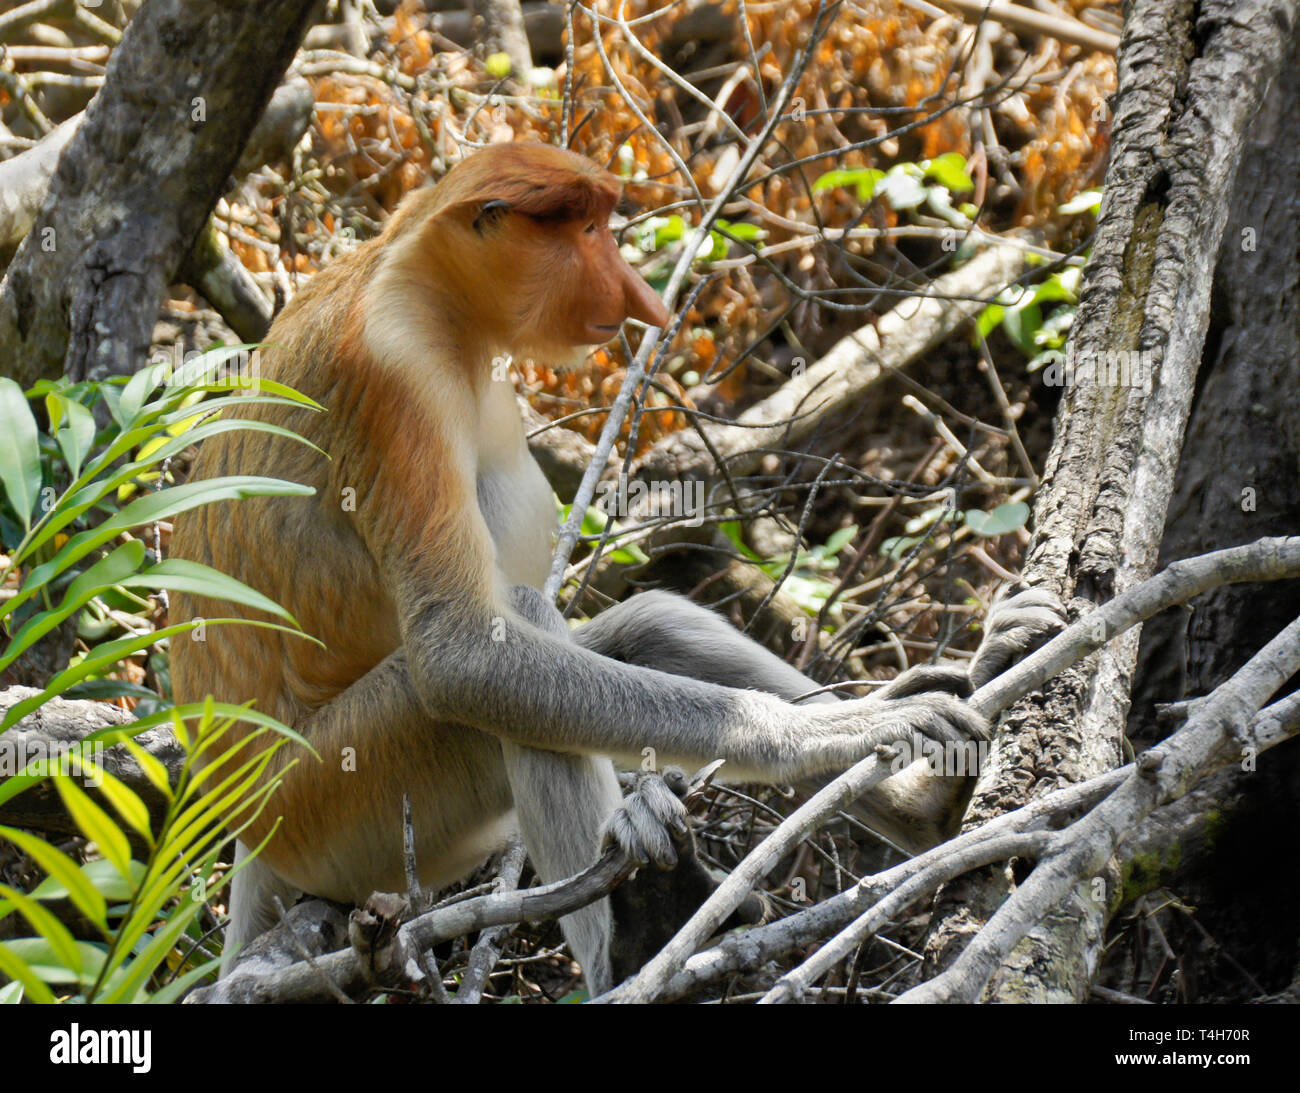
(603, 332)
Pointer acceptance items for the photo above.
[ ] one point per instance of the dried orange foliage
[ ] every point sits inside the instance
(1027, 112)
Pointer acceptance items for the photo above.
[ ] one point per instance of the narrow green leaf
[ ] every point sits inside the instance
(93, 822)
(20, 453)
(17, 969)
(58, 865)
(126, 803)
(105, 656)
(76, 436)
(45, 924)
(105, 573)
(151, 767)
(145, 510)
(223, 425)
(180, 575)
(949, 170)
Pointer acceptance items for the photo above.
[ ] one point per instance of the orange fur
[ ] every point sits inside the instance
(396, 340)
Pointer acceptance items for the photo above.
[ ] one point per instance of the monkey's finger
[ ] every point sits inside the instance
(641, 835)
(1015, 627)
(659, 820)
(662, 802)
(619, 831)
(927, 677)
(676, 781)
(947, 720)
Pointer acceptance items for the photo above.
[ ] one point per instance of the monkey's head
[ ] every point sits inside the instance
(520, 237)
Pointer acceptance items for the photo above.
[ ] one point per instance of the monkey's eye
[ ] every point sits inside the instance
(590, 228)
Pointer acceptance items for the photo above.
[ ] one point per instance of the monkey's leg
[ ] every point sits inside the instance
(566, 805)
(562, 802)
(252, 904)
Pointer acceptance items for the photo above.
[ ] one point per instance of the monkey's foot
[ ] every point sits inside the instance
(650, 825)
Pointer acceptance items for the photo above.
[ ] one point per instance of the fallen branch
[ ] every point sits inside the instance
(855, 364)
(344, 970)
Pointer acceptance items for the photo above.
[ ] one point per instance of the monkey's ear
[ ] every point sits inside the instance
(490, 215)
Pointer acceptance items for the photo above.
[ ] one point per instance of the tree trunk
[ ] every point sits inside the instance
(1239, 479)
(136, 182)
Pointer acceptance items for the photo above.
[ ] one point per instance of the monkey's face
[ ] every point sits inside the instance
(559, 287)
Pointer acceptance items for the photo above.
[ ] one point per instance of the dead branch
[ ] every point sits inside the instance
(303, 982)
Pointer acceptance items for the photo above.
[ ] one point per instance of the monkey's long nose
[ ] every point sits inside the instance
(640, 301)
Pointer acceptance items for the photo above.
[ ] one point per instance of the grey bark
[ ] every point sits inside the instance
(136, 182)
(1239, 477)
(49, 731)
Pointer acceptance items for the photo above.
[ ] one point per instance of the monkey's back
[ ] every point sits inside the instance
(302, 552)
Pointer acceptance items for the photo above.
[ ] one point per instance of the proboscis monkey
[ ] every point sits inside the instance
(445, 675)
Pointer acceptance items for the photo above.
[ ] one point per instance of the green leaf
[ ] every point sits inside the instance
(16, 968)
(98, 690)
(1021, 324)
(94, 823)
(862, 179)
(1001, 520)
(110, 653)
(173, 991)
(919, 523)
(895, 548)
(226, 401)
(105, 573)
(839, 540)
(733, 531)
(949, 170)
(40, 959)
(124, 800)
(138, 388)
(222, 425)
(1084, 202)
(76, 435)
(151, 767)
(668, 230)
(104, 876)
(11, 994)
(44, 923)
(145, 510)
(58, 865)
(989, 319)
(749, 233)
(180, 575)
(20, 452)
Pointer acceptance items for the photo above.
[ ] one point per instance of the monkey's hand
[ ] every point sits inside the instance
(1018, 622)
(927, 700)
(650, 825)
(850, 731)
